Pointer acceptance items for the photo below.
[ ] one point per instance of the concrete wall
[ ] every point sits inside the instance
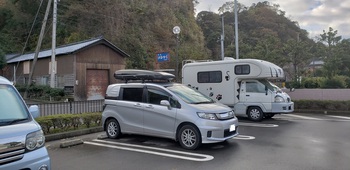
(319, 94)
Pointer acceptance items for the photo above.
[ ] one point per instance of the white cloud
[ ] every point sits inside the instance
(312, 15)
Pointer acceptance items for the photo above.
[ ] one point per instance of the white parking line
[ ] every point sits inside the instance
(256, 124)
(302, 117)
(340, 117)
(148, 150)
(244, 137)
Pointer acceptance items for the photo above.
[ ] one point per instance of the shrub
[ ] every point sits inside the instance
(65, 122)
(312, 82)
(42, 92)
(334, 82)
(322, 105)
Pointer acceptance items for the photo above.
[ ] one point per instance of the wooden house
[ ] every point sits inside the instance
(84, 69)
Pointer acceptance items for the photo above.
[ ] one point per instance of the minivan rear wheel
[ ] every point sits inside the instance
(255, 114)
(189, 137)
(113, 129)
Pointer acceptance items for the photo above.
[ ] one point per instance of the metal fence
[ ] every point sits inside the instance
(72, 107)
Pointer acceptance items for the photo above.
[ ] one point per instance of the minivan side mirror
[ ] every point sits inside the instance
(266, 90)
(34, 111)
(165, 103)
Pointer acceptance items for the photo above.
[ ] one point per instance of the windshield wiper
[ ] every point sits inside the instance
(16, 120)
(202, 102)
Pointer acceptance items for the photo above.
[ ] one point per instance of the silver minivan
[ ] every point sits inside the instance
(22, 142)
(157, 107)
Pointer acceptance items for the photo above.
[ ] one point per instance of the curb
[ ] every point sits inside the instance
(69, 143)
(70, 134)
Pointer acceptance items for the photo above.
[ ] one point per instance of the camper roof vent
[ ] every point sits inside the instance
(194, 61)
(228, 58)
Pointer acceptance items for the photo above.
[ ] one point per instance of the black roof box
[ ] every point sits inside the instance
(134, 74)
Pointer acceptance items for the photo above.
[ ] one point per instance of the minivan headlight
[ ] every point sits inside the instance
(226, 115)
(35, 140)
(279, 99)
(210, 116)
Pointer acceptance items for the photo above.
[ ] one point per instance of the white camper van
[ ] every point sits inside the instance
(242, 84)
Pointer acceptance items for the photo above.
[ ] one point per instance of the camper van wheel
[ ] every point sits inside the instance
(113, 129)
(269, 115)
(255, 114)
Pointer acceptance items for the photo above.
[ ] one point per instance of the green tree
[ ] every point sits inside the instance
(298, 54)
(210, 24)
(332, 57)
(140, 27)
(2, 59)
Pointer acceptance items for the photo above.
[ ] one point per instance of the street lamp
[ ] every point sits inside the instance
(176, 31)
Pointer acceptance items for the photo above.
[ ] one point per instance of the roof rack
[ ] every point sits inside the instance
(143, 75)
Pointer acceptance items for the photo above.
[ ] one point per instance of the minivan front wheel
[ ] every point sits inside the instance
(113, 129)
(189, 137)
(255, 114)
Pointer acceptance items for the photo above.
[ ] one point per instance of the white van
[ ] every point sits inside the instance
(241, 84)
(22, 142)
(157, 107)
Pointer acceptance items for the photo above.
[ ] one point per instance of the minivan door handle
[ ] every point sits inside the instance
(137, 105)
(247, 95)
(149, 107)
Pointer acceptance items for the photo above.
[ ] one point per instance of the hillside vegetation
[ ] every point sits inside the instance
(144, 27)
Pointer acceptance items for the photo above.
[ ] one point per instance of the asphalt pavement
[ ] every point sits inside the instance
(288, 142)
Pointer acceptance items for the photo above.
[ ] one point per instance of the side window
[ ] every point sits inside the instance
(209, 77)
(155, 96)
(255, 87)
(242, 69)
(133, 94)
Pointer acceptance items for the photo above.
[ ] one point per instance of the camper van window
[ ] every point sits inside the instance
(242, 69)
(209, 77)
(255, 87)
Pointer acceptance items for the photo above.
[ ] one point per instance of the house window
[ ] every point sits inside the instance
(60, 81)
(209, 77)
(44, 80)
(26, 67)
(242, 69)
(54, 68)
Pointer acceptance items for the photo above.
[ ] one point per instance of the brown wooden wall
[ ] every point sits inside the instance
(72, 68)
(99, 57)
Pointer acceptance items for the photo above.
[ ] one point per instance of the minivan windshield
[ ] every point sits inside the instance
(12, 108)
(189, 95)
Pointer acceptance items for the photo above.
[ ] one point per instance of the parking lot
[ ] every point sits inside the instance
(295, 141)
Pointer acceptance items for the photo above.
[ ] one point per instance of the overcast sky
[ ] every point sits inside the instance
(312, 15)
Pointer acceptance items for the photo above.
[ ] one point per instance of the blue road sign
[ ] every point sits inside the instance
(163, 57)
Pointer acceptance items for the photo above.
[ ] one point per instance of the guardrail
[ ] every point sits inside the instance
(71, 107)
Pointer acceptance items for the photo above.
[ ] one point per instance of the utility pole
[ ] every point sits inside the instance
(236, 30)
(222, 38)
(38, 46)
(53, 56)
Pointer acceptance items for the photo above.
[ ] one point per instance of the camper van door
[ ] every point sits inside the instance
(252, 91)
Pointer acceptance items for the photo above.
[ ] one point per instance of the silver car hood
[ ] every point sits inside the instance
(211, 107)
(16, 133)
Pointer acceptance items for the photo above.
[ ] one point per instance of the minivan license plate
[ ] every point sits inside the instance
(232, 128)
